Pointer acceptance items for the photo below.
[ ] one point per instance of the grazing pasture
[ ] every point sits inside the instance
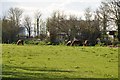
(32, 62)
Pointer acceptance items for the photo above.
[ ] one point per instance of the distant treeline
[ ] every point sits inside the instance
(60, 27)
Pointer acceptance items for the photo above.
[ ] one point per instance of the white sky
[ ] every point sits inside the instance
(46, 7)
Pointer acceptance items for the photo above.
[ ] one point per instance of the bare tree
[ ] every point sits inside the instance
(11, 24)
(14, 14)
(73, 28)
(118, 20)
(0, 30)
(52, 27)
(58, 25)
(37, 17)
(91, 26)
(88, 18)
(88, 14)
(104, 16)
(27, 25)
(113, 9)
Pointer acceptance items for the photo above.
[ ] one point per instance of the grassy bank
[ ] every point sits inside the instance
(35, 62)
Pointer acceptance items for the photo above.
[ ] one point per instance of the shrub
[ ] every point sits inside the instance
(42, 43)
(29, 42)
(106, 42)
(116, 43)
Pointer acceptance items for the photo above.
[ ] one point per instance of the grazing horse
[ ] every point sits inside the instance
(20, 42)
(76, 43)
(68, 43)
(86, 43)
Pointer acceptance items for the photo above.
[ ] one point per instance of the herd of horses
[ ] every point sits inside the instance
(69, 43)
(77, 43)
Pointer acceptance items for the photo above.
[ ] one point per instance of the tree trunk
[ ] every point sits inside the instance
(118, 24)
(37, 27)
(29, 34)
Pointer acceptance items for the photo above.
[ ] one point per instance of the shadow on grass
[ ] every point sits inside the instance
(31, 73)
(11, 75)
(35, 73)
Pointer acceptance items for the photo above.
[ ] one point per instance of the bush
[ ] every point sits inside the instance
(42, 43)
(116, 43)
(48, 43)
(105, 42)
(35, 42)
(29, 42)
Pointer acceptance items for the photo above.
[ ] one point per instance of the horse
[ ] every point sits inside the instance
(68, 43)
(76, 43)
(86, 43)
(20, 42)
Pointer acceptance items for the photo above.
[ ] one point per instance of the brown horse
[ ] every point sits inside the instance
(20, 42)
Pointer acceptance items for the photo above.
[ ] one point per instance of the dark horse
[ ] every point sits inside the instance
(20, 42)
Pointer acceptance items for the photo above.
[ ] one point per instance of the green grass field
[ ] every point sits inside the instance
(32, 62)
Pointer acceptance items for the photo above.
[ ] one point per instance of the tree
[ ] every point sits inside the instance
(37, 17)
(73, 27)
(114, 9)
(104, 16)
(43, 32)
(14, 14)
(5, 30)
(0, 30)
(91, 29)
(88, 14)
(88, 19)
(11, 25)
(52, 27)
(27, 25)
(118, 20)
(58, 25)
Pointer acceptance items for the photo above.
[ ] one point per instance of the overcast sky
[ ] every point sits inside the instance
(46, 7)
